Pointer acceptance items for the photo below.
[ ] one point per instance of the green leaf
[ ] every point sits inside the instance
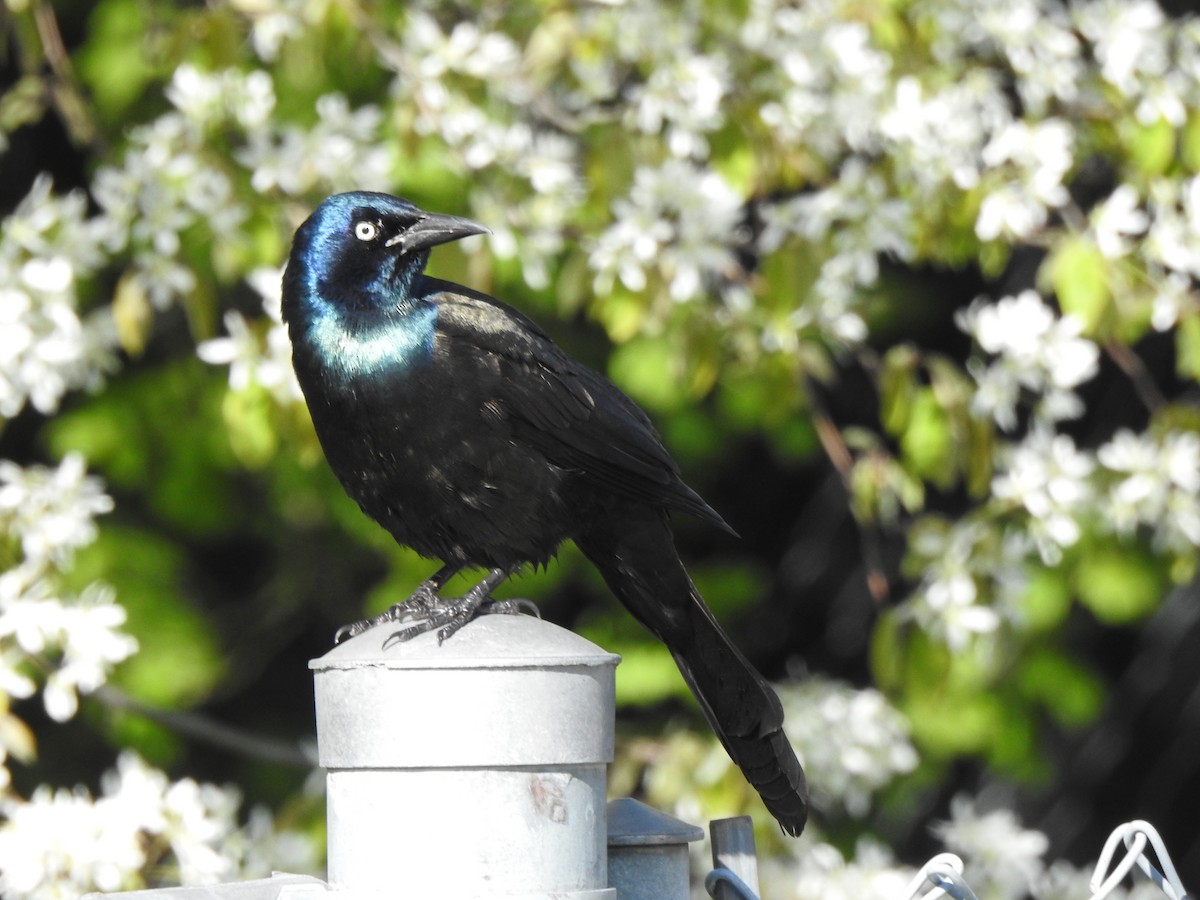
(729, 589)
(114, 62)
(1046, 601)
(887, 662)
(1011, 746)
(927, 444)
(622, 314)
(692, 434)
(881, 488)
(647, 674)
(178, 661)
(1189, 143)
(739, 167)
(648, 370)
(1078, 274)
(1120, 584)
(1151, 147)
(897, 387)
(980, 457)
(132, 314)
(23, 104)
(154, 431)
(248, 420)
(1187, 347)
(1072, 694)
(947, 725)
(865, 488)
(906, 659)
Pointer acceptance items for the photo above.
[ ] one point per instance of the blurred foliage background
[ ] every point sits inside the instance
(908, 286)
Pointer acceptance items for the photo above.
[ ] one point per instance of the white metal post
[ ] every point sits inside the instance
(471, 769)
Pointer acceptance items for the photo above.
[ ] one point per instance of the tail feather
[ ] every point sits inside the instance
(746, 715)
(644, 571)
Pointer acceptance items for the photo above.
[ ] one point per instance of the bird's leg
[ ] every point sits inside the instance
(448, 615)
(424, 598)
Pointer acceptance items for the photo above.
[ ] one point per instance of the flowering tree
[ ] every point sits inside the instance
(755, 202)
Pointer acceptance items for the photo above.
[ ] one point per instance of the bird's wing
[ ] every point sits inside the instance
(573, 415)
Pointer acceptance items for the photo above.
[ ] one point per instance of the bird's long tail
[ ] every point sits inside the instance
(643, 569)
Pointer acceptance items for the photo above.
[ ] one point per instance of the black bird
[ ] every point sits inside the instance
(461, 428)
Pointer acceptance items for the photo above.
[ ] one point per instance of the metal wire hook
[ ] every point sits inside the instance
(1135, 835)
(728, 876)
(944, 872)
(1167, 879)
(1100, 885)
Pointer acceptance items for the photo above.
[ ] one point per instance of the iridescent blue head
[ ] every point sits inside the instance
(364, 251)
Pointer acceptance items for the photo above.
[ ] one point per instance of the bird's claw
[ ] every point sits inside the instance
(511, 607)
(417, 606)
(449, 615)
(426, 611)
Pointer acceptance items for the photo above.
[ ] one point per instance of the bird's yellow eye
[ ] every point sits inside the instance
(366, 231)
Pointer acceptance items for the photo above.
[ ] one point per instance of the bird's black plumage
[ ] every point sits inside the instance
(459, 426)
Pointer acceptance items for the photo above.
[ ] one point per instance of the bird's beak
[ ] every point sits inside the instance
(433, 229)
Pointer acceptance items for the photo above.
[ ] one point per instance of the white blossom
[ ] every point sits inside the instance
(970, 580)
(852, 742)
(1116, 220)
(276, 21)
(253, 360)
(1040, 45)
(816, 870)
(1047, 476)
(240, 351)
(91, 644)
(47, 347)
(1173, 239)
(466, 49)
(60, 843)
(81, 635)
(1033, 160)
(165, 184)
(1127, 37)
(342, 151)
(1158, 486)
(677, 219)
(1174, 295)
(46, 225)
(939, 136)
(1148, 58)
(1002, 859)
(683, 99)
(831, 83)
(51, 511)
(860, 222)
(211, 98)
(197, 818)
(1034, 351)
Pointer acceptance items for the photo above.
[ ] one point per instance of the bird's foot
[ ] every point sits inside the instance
(423, 599)
(447, 615)
(510, 608)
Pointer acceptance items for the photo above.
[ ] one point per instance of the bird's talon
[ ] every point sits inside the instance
(399, 637)
(526, 606)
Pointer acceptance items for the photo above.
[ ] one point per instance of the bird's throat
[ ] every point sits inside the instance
(350, 348)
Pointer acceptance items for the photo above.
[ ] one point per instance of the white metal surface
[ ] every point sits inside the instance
(277, 887)
(472, 769)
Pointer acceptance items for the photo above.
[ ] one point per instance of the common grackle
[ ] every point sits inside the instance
(459, 426)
